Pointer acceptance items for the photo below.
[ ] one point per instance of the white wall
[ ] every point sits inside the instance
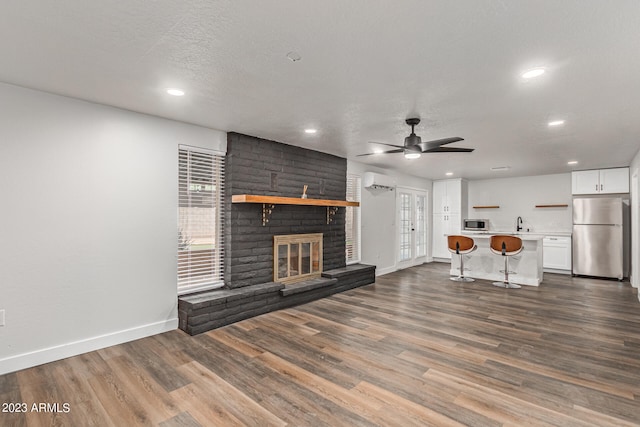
(634, 176)
(87, 225)
(518, 197)
(378, 216)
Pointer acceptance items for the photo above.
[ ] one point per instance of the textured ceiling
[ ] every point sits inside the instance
(366, 66)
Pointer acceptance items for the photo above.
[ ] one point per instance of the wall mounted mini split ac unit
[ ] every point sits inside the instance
(378, 181)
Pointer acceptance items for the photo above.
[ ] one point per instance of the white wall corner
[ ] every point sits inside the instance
(387, 270)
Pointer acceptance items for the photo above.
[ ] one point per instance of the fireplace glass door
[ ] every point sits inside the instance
(297, 257)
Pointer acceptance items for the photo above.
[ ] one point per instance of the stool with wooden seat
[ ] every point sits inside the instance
(506, 246)
(461, 245)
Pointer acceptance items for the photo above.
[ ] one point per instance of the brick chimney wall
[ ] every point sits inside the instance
(262, 167)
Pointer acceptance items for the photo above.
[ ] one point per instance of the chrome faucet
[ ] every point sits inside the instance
(519, 224)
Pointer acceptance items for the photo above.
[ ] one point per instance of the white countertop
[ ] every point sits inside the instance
(519, 233)
(487, 235)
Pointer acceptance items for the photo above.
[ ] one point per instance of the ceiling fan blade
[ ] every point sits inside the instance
(383, 143)
(384, 152)
(448, 150)
(438, 142)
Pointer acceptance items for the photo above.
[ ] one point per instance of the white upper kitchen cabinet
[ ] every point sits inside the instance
(614, 180)
(600, 181)
(450, 196)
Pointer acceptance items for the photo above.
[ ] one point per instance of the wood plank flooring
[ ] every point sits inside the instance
(413, 349)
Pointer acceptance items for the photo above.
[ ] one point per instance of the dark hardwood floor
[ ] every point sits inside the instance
(413, 349)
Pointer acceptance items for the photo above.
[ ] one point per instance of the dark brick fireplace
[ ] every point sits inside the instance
(261, 167)
(258, 166)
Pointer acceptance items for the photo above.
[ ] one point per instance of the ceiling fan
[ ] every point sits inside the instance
(414, 147)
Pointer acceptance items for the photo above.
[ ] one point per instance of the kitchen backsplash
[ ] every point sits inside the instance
(518, 197)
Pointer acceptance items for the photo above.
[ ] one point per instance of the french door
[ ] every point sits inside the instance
(411, 214)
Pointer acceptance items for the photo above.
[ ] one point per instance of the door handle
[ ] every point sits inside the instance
(600, 187)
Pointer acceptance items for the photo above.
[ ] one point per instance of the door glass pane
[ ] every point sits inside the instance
(315, 266)
(294, 259)
(421, 235)
(405, 227)
(283, 258)
(306, 258)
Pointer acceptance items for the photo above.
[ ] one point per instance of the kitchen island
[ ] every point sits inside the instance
(484, 264)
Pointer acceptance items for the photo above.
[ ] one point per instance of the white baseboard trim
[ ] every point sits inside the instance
(383, 271)
(51, 354)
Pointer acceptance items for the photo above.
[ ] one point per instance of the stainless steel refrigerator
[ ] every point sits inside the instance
(598, 237)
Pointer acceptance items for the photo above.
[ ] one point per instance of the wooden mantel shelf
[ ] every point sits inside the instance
(277, 200)
(269, 203)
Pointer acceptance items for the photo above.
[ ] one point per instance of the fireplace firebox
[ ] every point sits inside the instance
(297, 257)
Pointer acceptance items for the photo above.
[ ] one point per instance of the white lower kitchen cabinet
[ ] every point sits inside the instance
(557, 253)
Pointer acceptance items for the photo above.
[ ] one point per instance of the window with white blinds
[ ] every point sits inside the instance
(352, 227)
(200, 210)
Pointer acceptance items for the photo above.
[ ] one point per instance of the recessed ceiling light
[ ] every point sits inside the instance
(411, 155)
(310, 130)
(449, 173)
(175, 92)
(500, 168)
(556, 123)
(378, 151)
(572, 162)
(535, 72)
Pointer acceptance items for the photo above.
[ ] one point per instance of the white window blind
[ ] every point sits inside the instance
(200, 209)
(352, 227)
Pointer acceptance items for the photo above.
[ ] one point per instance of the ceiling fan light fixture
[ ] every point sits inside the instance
(414, 147)
(412, 152)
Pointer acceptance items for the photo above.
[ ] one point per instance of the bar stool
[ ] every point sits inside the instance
(506, 246)
(461, 245)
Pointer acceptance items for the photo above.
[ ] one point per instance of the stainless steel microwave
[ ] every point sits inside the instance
(476, 224)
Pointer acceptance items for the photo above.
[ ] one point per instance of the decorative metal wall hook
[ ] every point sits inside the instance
(266, 212)
(331, 211)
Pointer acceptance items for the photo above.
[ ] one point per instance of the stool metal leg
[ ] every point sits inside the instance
(506, 283)
(461, 277)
